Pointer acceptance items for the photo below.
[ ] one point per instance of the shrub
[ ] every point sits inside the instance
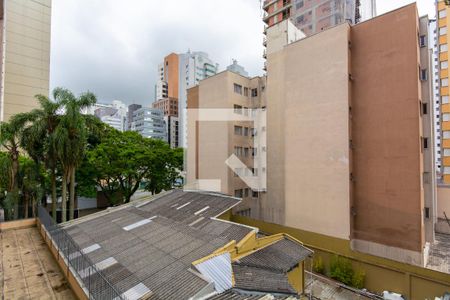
(358, 279)
(341, 269)
(318, 265)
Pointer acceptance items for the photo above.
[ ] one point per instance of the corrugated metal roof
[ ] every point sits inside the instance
(159, 254)
(280, 256)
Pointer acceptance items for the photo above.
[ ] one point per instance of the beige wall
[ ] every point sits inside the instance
(387, 154)
(27, 55)
(308, 135)
(214, 141)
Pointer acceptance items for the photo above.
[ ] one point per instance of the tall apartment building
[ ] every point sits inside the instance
(236, 68)
(149, 122)
(350, 157)
(25, 30)
(169, 106)
(312, 16)
(177, 73)
(214, 141)
(443, 23)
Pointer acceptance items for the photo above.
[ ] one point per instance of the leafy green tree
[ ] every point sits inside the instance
(125, 160)
(39, 140)
(71, 141)
(30, 179)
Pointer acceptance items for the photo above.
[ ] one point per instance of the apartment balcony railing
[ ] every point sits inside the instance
(265, 54)
(93, 280)
(265, 42)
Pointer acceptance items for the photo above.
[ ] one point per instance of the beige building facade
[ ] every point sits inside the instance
(25, 30)
(350, 147)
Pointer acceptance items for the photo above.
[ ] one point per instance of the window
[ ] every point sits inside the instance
(254, 151)
(443, 30)
(442, 13)
(445, 117)
(238, 151)
(443, 48)
(444, 99)
(246, 151)
(424, 108)
(422, 41)
(444, 64)
(238, 193)
(446, 152)
(246, 92)
(237, 109)
(246, 192)
(245, 131)
(238, 89)
(299, 4)
(447, 136)
(238, 130)
(423, 74)
(427, 212)
(425, 143)
(255, 194)
(254, 92)
(444, 82)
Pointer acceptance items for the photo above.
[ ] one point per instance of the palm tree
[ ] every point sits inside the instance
(39, 139)
(10, 133)
(71, 140)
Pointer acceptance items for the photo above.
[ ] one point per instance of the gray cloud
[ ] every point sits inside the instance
(113, 47)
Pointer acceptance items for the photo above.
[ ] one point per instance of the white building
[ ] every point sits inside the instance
(432, 45)
(193, 67)
(113, 114)
(149, 122)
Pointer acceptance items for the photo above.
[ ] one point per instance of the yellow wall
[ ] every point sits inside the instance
(443, 39)
(381, 274)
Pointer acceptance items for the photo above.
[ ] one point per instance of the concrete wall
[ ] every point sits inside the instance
(308, 135)
(443, 205)
(387, 154)
(429, 166)
(26, 61)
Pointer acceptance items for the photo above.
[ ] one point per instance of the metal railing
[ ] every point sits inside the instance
(94, 281)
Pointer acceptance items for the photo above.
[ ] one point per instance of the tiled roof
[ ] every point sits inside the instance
(256, 279)
(158, 252)
(152, 245)
(280, 256)
(236, 295)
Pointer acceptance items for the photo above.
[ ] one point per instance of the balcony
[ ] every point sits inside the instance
(265, 66)
(265, 54)
(265, 42)
(265, 30)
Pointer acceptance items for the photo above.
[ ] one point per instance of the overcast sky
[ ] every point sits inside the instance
(113, 47)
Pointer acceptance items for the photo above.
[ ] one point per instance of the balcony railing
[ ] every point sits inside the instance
(95, 283)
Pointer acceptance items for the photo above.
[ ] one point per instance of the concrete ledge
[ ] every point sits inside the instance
(394, 253)
(77, 289)
(17, 224)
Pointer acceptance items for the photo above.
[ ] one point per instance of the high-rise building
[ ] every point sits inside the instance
(113, 114)
(149, 122)
(443, 23)
(169, 106)
(131, 109)
(236, 68)
(179, 72)
(25, 29)
(350, 157)
(194, 66)
(312, 16)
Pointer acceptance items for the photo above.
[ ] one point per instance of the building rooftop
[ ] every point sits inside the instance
(27, 268)
(173, 247)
